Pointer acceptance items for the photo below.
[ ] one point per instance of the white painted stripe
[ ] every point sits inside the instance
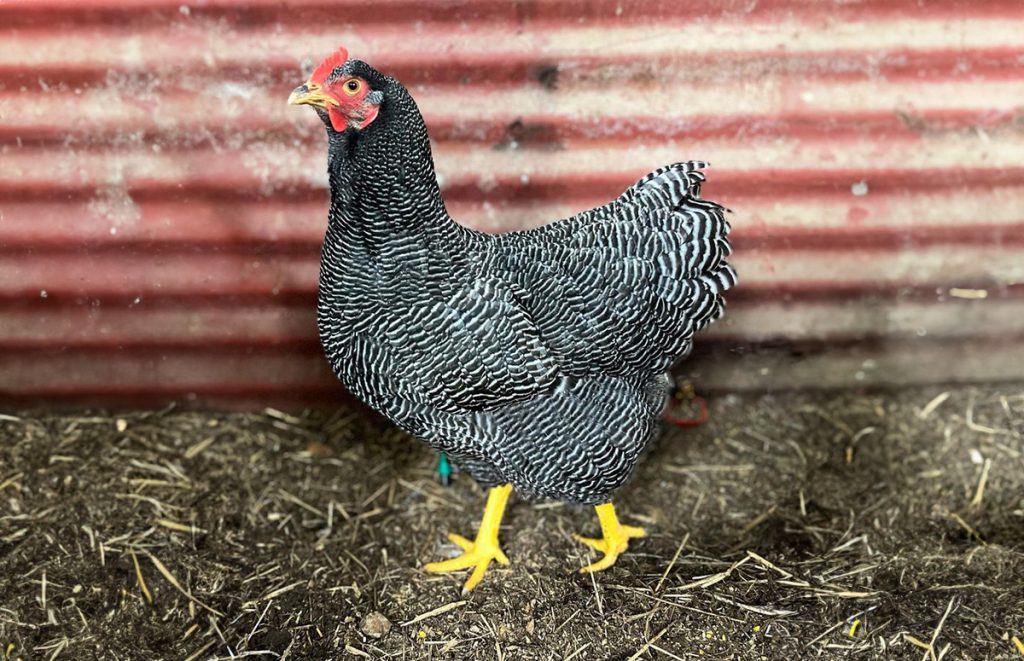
(219, 273)
(133, 106)
(944, 317)
(212, 44)
(283, 164)
(865, 365)
(753, 215)
(955, 266)
(118, 218)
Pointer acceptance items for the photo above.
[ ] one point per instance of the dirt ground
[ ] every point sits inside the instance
(786, 527)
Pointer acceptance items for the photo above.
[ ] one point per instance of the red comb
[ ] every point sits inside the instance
(333, 61)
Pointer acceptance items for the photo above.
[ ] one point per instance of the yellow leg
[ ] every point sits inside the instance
(615, 539)
(478, 553)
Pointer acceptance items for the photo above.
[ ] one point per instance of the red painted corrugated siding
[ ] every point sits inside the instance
(162, 207)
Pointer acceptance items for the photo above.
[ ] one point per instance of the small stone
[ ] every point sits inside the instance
(375, 625)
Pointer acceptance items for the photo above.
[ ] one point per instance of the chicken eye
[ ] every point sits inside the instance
(353, 86)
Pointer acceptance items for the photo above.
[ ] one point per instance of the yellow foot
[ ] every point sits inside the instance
(615, 541)
(479, 553)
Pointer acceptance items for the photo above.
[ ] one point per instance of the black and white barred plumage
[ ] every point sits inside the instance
(536, 358)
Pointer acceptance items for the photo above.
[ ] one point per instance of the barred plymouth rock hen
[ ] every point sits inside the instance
(536, 360)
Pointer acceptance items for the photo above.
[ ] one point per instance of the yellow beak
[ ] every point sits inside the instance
(311, 94)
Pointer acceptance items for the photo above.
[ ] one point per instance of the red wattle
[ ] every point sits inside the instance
(338, 120)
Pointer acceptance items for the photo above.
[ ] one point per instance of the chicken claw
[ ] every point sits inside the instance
(615, 538)
(480, 552)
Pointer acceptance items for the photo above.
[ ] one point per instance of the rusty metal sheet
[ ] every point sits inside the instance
(161, 207)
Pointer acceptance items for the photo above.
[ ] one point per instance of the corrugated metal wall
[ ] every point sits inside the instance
(161, 207)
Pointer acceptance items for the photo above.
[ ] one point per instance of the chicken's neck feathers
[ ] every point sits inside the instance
(389, 240)
(382, 179)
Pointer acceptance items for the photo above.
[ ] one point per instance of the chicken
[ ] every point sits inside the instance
(535, 360)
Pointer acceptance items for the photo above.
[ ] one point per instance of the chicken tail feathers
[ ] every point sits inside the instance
(721, 279)
(667, 187)
(705, 275)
